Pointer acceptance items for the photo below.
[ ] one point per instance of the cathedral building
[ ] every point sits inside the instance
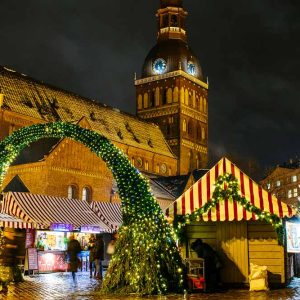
(167, 138)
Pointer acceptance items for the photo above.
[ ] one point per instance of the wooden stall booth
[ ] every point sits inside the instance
(239, 236)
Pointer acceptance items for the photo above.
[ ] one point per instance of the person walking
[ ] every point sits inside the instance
(99, 256)
(73, 251)
(91, 248)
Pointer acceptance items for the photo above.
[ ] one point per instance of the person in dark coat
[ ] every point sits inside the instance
(73, 250)
(99, 255)
(91, 248)
(212, 263)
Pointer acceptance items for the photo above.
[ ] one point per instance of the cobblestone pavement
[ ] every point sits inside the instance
(61, 286)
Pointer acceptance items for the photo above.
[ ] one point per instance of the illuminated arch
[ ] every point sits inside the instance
(146, 258)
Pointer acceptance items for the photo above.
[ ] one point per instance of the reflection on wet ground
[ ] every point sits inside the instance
(61, 286)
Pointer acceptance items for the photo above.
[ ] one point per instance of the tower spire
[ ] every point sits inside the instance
(171, 20)
(170, 3)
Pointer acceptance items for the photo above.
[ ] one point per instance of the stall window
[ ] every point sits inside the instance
(86, 194)
(71, 192)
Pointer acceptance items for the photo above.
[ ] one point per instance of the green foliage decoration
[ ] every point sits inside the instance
(227, 187)
(146, 259)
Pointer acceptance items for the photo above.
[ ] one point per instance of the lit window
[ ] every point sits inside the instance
(278, 183)
(71, 192)
(294, 178)
(268, 186)
(295, 192)
(289, 195)
(184, 125)
(86, 194)
(146, 166)
(157, 168)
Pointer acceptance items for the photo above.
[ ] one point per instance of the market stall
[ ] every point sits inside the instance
(241, 227)
(57, 218)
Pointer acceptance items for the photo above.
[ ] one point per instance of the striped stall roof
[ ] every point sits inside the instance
(109, 213)
(45, 210)
(201, 192)
(12, 222)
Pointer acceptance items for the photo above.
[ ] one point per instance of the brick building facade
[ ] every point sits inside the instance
(284, 182)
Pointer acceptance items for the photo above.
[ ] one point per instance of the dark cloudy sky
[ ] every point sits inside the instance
(248, 49)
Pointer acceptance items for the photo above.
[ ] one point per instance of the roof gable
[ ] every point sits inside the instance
(227, 210)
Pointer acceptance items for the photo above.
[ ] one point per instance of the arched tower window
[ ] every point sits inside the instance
(201, 103)
(184, 125)
(198, 158)
(169, 95)
(203, 135)
(186, 97)
(72, 191)
(205, 105)
(175, 94)
(157, 96)
(182, 95)
(86, 194)
(140, 102)
(146, 100)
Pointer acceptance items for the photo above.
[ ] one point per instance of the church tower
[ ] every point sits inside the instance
(171, 91)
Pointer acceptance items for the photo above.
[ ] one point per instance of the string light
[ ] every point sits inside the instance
(137, 265)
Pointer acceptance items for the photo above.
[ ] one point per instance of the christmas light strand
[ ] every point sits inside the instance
(146, 259)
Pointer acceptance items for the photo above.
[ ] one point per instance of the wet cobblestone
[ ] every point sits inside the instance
(61, 286)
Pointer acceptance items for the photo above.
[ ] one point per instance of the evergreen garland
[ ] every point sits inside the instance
(227, 187)
(146, 259)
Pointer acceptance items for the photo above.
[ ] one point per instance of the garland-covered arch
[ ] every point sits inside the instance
(146, 259)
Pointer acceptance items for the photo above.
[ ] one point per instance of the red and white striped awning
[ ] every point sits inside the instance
(201, 192)
(12, 222)
(44, 210)
(109, 213)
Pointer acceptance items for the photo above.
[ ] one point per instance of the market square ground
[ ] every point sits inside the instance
(60, 286)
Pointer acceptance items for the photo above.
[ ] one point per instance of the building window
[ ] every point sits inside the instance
(157, 168)
(289, 194)
(268, 186)
(145, 100)
(294, 178)
(151, 99)
(278, 183)
(295, 192)
(86, 194)
(71, 192)
(146, 165)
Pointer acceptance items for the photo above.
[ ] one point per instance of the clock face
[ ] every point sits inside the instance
(159, 66)
(191, 68)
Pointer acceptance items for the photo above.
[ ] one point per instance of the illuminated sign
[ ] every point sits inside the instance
(293, 237)
(90, 229)
(61, 227)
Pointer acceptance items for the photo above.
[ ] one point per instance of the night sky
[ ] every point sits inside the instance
(248, 49)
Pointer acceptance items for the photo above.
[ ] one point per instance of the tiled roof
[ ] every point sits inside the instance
(46, 103)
